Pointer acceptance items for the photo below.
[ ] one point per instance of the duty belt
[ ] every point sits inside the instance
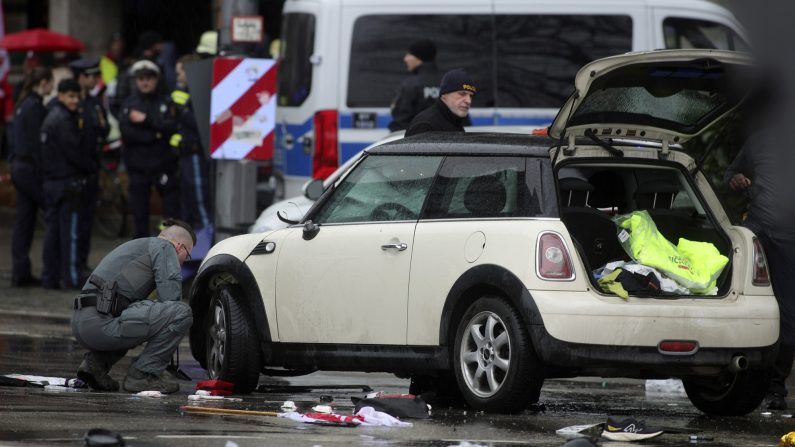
(89, 298)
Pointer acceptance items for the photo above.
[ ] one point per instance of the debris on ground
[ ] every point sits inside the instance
(295, 389)
(397, 405)
(213, 395)
(216, 387)
(366, 416)
(39, 381)
(581, 431)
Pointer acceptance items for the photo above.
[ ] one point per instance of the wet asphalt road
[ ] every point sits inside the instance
(43, 346)
(35, 339)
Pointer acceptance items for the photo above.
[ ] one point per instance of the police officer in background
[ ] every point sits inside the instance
(67, 168)
(114, 313)
(421, 89)
(147, 122)
(451, 111)
(26, 174)
(95, 130)
(193, 165)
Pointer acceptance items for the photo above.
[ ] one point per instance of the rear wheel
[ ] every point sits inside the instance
(495, 364)
(731, 394)
(233, 351)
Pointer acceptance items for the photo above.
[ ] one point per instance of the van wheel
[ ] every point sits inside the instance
(232, 345)
(732, 394)
(493, 358)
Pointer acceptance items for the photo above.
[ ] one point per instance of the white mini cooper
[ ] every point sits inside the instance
(471, 255)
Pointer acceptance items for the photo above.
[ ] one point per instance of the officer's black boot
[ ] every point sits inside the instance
(137, 381)
(94, 372)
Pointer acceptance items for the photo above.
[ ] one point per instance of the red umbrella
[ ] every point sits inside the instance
(40, 40)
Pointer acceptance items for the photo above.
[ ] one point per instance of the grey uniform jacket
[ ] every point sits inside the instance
(141, 266)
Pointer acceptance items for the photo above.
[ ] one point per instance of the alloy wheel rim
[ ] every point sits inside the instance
(485, 354)
(217, 341)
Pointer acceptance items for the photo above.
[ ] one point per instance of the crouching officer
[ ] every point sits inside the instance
(66, 167)
(193, 166)
(114, 313)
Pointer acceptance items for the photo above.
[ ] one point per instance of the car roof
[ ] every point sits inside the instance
(468, 143)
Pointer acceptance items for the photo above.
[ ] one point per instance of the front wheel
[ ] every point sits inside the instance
(731, 394)
(232, 345)
(495, 365)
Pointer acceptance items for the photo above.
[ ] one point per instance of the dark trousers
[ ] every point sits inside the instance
(141, 183)
(88, 204)
(159, 324)
(780, 255)
(62, 199)
(30, 199)
(194, 190)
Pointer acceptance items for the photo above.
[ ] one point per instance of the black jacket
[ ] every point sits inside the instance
(95, 125)
(146, 145)
(436, 117)
(414, 95)
(63, 154)
(25, 136)
(186, 126)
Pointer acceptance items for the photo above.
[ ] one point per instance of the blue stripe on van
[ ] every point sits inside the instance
(297, 162)
(382, 120)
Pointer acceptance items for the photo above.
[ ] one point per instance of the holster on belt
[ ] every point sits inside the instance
(108, 299)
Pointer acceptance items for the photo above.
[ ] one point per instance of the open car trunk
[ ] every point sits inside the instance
(593, 193)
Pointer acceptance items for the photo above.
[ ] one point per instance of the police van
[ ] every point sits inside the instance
(341, 61)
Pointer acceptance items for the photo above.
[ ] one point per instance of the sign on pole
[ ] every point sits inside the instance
(248, 29)
(243, 109)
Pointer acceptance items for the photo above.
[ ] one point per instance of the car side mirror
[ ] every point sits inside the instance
(314, 189)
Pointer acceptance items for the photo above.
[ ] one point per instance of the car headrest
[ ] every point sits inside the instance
(485, 196)
(575, 191)
(656, 195)
(609, 191)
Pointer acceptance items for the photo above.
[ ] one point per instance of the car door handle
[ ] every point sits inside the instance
(399, 247)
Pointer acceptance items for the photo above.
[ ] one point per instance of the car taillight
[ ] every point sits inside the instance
(761, 276)
(554, 261)
(326, 157)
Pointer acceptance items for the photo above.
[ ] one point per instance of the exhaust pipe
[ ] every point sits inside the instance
(738, 363)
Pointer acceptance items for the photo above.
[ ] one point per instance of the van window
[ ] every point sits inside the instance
(380, 41)
(691, 33)
(295, 70)
(539, 55)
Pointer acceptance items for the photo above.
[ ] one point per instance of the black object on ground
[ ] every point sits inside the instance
(307, 388)
(100, 437)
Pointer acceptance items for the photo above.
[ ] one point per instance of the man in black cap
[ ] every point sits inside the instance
(147, 121)
(451, 110)
(420, 90)
(95, 129)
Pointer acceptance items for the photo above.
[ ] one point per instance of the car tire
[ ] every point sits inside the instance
(232, 344)
(733, 394)
(493, 358)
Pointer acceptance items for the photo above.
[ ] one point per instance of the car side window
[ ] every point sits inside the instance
(381, 188)
(478, 187)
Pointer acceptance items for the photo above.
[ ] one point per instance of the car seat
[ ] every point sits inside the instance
(593, 230)
(485, 196)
